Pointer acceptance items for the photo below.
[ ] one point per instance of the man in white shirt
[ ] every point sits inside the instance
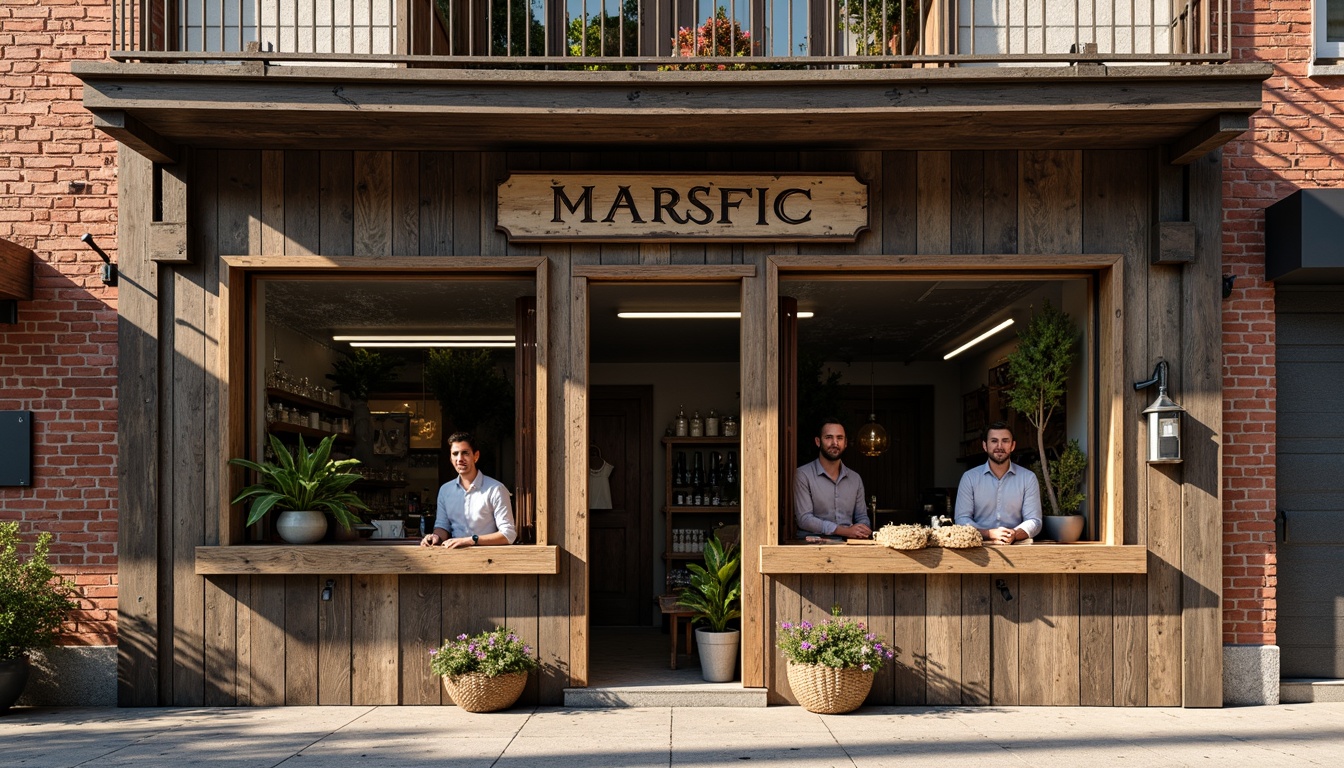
(474, 510)
(999, 498)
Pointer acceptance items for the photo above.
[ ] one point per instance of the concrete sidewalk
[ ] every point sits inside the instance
(1263, 737)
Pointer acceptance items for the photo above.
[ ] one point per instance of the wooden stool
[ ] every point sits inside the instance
(668, 605)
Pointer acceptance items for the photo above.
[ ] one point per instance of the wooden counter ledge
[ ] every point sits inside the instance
(387, 559)
(1033, 558)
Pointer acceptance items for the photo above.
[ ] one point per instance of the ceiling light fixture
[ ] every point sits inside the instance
(436, 344)
(689, 315)
(873, 440)
(471, 342)
(434, 337)
(978, 339)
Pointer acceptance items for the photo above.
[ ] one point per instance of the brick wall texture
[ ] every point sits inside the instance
(58, 180)
(1295, 141)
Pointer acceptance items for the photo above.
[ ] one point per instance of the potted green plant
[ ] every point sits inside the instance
(715, 595)
(1066, 526)
(1039, 370)
(484, 672)
(358, 375)
(304, 488)
(831, 665)
(33, 603)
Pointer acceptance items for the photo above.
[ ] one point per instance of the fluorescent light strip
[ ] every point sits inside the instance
(456, 344)
(978, 339)
(689, 315)
(436, 337)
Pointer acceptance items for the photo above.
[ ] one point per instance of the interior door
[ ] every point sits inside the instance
(620, 433)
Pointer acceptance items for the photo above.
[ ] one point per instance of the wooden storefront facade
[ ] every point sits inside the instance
(1133, 620)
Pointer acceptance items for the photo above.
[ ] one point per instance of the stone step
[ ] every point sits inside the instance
(1303, 690)
(684, 695)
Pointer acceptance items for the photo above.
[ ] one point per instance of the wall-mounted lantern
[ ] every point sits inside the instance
(1164, 420)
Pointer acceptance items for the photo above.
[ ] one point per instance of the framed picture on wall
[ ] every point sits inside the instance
(391, 433)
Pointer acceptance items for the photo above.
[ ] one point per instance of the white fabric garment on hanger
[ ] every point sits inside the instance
(599, 487)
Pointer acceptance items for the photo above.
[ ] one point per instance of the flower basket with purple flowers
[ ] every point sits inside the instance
(484, 672)
(831, 665)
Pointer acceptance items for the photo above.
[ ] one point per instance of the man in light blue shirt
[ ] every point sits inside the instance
(474, 510)
(999, 498)
(828, 496)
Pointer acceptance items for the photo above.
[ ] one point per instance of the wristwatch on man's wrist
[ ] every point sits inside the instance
(475, 539)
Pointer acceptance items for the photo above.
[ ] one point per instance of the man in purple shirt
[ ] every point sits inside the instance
(828, 496)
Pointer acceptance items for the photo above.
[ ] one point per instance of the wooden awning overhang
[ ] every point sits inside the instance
(157, 108)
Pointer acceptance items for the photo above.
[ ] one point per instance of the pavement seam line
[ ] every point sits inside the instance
(827, 726)
(299, 752)
(514, 737)
(133, 743)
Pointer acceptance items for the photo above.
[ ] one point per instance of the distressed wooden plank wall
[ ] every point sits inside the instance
(1095, 640)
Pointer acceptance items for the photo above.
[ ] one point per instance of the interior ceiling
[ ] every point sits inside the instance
(855, 319)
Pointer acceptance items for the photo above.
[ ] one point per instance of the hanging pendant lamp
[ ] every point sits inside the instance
(873, 440)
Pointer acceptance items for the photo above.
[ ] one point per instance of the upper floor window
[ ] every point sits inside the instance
(1329, 29)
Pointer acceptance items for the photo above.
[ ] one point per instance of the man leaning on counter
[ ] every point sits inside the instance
(474, 509)
(1001, 499)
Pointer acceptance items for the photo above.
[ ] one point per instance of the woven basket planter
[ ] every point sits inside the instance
(828, 690)
(475, 692)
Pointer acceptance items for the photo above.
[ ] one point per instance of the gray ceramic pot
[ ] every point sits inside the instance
(1063, 528)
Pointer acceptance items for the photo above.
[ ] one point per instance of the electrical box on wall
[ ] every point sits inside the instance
(16, 448)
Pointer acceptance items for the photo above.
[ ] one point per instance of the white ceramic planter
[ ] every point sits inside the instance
(301, 526)
(718, 654)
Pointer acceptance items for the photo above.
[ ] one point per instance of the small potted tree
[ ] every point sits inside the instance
(1039, 369)
(304, 489)
(33, 603)
(715, 595)
(1066, 525)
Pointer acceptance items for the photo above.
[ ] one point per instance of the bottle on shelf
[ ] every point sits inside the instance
(730, 479)
(697, 470)
(679, 469)
(697, 425)
(712, 424)
(680, 426)
(729, 426)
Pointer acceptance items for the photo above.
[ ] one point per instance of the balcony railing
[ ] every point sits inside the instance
(675, 34)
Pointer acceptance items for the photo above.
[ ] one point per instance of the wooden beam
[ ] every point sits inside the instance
(387, 263)
(16, 271)
(135, 135)
(974, 266)
(1036, 558)
(376, 559)
(671, 272)
(1212, 134)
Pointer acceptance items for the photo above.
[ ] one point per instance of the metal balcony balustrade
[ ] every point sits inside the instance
(674, 34)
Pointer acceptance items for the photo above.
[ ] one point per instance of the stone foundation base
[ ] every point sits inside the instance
(72, 676)
(1250, 674)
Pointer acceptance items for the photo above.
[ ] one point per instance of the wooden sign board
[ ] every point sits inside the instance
(682, 206)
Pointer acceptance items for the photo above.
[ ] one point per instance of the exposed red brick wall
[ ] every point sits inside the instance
(1295, 141)
(58, 181)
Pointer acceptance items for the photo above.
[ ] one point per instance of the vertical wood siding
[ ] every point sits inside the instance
(256, 640)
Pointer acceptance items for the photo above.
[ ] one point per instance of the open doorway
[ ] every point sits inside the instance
(643, 529)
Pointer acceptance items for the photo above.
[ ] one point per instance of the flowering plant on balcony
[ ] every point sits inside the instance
(718, 36)
(497, 652)
(835, 642)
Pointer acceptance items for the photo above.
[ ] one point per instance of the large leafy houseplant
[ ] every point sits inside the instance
(1067, 470)
(715, 593)
(309, 480)
(470, 389)
(1039, 369)
(33, 601)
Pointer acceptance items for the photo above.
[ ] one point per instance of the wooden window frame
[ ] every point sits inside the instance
(1106, 427)
(232, 556)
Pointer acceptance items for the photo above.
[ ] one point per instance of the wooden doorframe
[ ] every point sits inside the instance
(758, 420)
(644, 394)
